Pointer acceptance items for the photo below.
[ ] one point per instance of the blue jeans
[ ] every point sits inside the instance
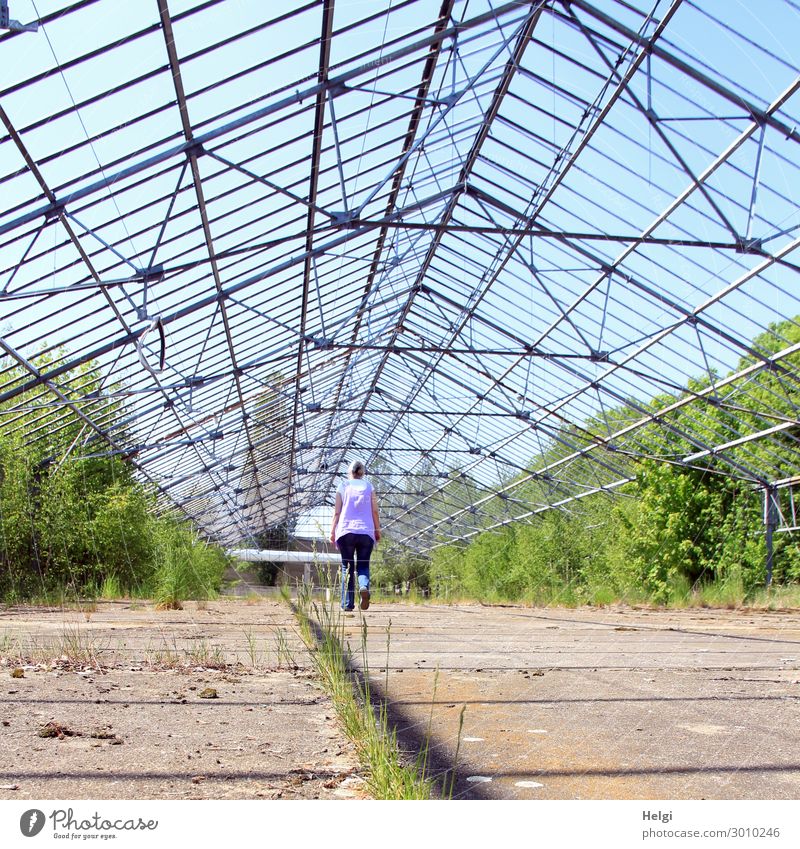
(355, 550)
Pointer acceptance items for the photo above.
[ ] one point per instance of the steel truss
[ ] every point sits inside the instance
(503, 252)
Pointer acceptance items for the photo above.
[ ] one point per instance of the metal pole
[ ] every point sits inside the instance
(771, 521)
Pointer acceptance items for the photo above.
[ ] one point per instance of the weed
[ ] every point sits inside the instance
(163, 657)
(451, 785)
(776, 598)
(201, 653)
(374, 737)
(185, 567)
(252, 650)
(111, 588)
(284, 653)
(78, 647)
(388, 645)
(6, 644)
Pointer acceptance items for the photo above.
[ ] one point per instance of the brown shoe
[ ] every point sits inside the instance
(364, 599)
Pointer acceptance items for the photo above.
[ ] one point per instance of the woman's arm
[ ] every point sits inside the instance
(376, 521)
(337, 511)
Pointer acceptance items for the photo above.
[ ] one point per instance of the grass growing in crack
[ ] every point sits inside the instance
(163, 657)
(252, 650)
(370, 730)
(284, 653)
(388, 646)
(6, 643)
(200, 653)
(11, 650)
(194, 653)
(450, 785)
(78, 647)
(74, 647)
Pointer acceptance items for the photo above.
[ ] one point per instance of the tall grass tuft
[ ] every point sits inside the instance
(369, 728)
(185, 567)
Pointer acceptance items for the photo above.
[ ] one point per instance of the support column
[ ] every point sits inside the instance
(771, 517)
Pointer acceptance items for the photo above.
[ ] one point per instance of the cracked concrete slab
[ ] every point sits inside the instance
(215, 701)
(594, 703)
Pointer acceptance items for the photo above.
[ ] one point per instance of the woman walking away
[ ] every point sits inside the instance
(355, 529)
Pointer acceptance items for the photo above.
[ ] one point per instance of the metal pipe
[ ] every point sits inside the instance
(259, 555)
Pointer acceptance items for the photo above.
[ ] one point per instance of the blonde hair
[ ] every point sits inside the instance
(356, 469)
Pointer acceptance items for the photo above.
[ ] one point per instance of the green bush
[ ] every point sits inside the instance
(20, 574)
(445, 571)
(86, 527)
(185, 566)
(675, 537)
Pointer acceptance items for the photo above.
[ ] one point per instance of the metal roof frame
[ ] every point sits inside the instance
(479, 246)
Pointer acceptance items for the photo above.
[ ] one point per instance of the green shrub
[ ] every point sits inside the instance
(186, 567)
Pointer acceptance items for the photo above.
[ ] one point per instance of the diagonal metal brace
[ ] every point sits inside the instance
(6, 22)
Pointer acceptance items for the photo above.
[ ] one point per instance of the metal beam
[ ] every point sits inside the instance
(537, 204)
(511, 66)
(761, 116)
(335, 84)
(209, 300)
(316, 152)
(391, 202)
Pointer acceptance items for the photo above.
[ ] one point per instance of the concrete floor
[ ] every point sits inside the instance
(593, 703)
(557, 704)
(124, 685)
